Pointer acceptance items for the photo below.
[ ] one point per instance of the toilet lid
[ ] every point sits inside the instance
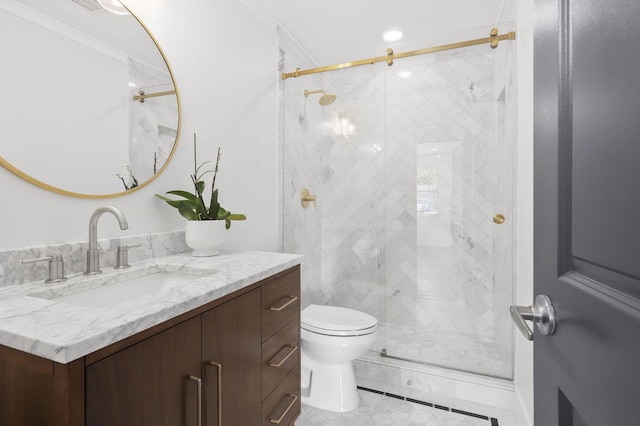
(335, 320)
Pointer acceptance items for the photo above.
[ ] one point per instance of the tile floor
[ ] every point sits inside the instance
(448, 349)
(378, 409)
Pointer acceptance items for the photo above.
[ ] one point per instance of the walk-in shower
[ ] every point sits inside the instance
(412, 168)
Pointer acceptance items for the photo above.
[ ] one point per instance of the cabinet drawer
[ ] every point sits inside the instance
(280, 303)
(283, 405)
(280, 354)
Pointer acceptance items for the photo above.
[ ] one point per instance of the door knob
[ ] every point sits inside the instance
(540, 313)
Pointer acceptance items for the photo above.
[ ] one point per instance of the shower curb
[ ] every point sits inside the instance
(493, 420)
(467, 392)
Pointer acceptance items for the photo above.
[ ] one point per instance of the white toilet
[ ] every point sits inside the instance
(331, 338)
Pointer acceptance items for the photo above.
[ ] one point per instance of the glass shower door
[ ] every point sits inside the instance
(449, 191)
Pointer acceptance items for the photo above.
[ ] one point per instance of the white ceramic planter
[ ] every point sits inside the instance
(205, 237)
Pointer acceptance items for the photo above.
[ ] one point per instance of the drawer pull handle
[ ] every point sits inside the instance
(286, 411)
(198, 381)
(292, 349)
(289, 300)
(219, 368)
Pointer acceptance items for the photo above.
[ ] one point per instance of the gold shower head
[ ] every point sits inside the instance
(326, 99)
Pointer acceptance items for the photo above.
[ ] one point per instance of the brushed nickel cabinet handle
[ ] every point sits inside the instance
(219, 368)
(289, 300)
(286, 411)
(198, 381)
(273, 363)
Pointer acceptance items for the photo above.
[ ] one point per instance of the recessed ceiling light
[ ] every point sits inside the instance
(392, 35)
(114, 6)
(404, 74)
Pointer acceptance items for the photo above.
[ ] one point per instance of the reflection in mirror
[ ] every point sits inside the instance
(74, 120)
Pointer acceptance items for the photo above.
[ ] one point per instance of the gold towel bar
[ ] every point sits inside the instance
(141, 96)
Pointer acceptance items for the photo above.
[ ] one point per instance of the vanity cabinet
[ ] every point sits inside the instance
(234, 361)
(146, 384)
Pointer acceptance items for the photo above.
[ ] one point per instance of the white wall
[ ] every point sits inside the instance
(224, 59)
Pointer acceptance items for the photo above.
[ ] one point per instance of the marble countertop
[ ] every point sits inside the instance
(63, 332)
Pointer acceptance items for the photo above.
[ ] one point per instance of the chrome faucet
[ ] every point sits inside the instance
(93, 254)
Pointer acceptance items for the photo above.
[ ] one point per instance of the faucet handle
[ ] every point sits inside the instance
(122, 256)
(56, 267)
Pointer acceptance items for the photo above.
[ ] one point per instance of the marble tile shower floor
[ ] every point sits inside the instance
(447, 349)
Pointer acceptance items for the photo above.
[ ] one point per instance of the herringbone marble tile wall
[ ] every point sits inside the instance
(409, 173)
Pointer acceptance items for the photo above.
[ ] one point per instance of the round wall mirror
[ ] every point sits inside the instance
(89, 104)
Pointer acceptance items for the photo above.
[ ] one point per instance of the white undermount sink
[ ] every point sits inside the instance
(116, 291)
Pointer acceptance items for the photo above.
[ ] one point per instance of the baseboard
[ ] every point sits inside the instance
(523, 417)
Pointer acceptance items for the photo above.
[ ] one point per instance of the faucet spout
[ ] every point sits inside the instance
(93, 254)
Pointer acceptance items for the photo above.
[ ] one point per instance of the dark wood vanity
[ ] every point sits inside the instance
(234, 361)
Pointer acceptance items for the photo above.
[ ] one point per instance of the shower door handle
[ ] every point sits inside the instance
(306, 198)
(541, 313)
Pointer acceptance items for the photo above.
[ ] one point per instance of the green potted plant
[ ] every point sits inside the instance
(204, 219)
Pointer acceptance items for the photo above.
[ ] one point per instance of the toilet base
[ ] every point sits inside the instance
(332, 387)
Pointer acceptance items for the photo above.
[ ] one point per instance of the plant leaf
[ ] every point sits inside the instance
(201, 211)
(222, 213)
(172, 203)
(200, 187)
(236, 216)
(183, 194)
(175, 203)
(186, 210)
(214, 206)
(227, 223)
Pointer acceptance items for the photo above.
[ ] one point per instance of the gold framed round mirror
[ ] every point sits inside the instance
(90, 107)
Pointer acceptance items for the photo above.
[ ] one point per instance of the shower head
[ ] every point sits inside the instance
(326, 99)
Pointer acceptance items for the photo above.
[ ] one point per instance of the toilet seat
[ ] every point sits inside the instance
(337, 321)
